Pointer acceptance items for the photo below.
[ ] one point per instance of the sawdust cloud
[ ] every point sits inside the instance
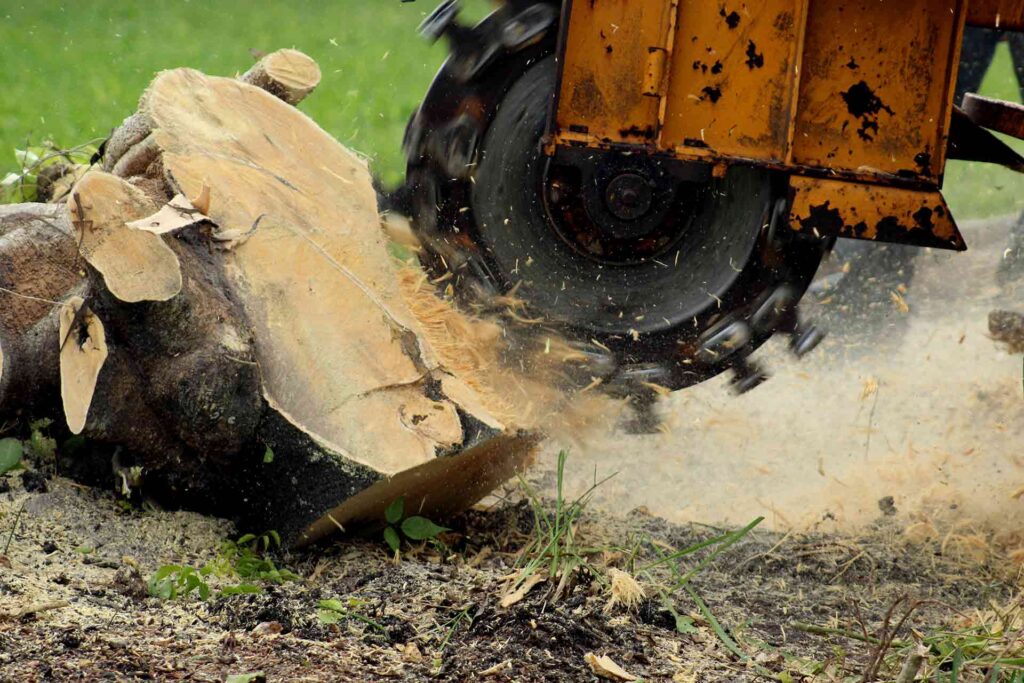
(924, 424)
(927, 428)
(528, 381)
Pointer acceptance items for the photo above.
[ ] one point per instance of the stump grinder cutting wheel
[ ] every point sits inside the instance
(661, 272)
(656, 181)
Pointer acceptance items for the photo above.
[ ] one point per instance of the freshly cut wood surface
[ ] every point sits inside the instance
(82, 356)
(287, 74)
(136, 265)
(341, 355)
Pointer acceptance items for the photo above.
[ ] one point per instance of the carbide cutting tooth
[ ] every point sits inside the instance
(747, 376)
(805, 338)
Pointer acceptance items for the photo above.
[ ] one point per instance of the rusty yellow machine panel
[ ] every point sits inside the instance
(874, 94)
(733, 79)
(859, 90)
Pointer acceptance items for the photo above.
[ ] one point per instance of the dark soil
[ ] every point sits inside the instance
(437, 616)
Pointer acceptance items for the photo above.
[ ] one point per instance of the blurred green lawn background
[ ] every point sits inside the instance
(71, 71)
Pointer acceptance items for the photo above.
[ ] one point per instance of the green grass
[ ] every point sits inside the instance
(74, 70)
(976, 190)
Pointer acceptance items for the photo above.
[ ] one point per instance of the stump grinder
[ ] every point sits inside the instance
(658, 180)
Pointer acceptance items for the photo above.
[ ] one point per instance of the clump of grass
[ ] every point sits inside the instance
(988, 647)
(553, 547)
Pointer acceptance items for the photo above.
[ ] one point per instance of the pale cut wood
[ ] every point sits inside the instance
(175, 215)
(287, 74)
(341, 355)
(136, 265)
(82, 356)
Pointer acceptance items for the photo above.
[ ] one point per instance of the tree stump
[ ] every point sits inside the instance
(241, 329)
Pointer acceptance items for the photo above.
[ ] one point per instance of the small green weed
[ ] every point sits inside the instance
(553, 547)
(173, 581)
(989, 647)
(336, 611)
(42, 446)
(14, 527)
(39, 445)
(463, 615)
(415, 528)
(11, 452)
(22, 185)
(245, 559)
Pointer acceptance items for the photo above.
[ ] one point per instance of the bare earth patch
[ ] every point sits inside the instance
(73, 601)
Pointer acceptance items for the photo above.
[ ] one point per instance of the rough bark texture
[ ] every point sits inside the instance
(38, 269)
(260, 356)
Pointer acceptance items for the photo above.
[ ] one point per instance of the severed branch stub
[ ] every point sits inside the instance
(287, 74)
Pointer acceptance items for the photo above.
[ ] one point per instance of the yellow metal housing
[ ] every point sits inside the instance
(834, 92)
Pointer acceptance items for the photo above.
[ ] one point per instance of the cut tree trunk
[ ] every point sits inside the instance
(241, 331)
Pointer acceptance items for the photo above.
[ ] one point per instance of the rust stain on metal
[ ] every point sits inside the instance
(874, 119)
(833, 208)
(752, 66)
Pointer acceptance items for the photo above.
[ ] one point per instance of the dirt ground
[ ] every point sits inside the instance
(72, 559)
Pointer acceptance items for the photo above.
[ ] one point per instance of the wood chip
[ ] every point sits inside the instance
(521, 592)
(35, 608)
(177, 214)
(604, 667)
(497, 669)
(479, 558)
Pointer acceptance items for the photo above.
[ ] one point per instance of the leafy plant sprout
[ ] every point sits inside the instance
(415, 528)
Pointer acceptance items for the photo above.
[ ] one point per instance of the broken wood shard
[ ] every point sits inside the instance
(177, 214)
(83, 353)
